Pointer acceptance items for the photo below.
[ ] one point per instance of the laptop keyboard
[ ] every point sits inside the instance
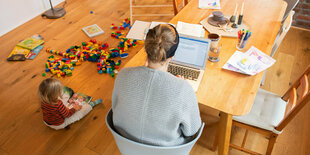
(188, 73)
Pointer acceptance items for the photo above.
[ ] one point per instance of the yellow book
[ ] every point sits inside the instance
(30, 43)
(18, 54)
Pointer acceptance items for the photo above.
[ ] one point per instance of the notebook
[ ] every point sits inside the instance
(139, 29)
(190, 59)
(190, 29)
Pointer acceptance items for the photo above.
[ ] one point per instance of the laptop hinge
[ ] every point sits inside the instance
(176, 64)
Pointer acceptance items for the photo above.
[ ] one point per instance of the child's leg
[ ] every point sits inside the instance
(61, 126)
(86, 108)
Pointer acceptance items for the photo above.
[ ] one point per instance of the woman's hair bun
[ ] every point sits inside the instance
(158, 41)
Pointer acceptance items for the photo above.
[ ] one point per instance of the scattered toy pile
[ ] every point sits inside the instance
(92, 51)
(123, 25)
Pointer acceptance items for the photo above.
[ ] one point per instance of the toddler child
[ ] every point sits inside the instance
(55, 114)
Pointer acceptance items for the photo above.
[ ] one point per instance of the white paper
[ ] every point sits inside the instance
(153, 24)
(140, 28)
(228, 66)
(260, 56)
(209, 4)
(137, 30)
(251, 62)
(190, 29)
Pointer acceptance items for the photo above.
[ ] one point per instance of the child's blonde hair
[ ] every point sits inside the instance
(49, 90)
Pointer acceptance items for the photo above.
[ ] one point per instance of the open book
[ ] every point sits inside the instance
(69, 97)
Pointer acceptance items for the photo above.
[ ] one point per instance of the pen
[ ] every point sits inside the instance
(249, 36)
(242, 35)
(242, 40)
(246, 35)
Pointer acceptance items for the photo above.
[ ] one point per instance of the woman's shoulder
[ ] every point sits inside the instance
(129, 70)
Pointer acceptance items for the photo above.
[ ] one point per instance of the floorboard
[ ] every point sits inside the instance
(22, 129)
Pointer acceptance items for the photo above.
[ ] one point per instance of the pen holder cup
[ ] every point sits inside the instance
(241, 44)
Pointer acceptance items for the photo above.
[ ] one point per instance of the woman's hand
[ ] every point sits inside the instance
(181, 77)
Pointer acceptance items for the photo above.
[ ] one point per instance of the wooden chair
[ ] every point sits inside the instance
(152, 9)
(281, 34)
(178, 5)
(271, 113)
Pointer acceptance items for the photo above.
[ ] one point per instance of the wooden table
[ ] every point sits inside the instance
(229, 92)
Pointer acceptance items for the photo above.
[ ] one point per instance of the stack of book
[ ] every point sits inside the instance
(27, 49)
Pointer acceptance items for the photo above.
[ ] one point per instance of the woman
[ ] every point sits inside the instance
(149, 104)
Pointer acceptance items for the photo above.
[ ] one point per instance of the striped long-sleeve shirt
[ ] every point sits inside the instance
(55, 114)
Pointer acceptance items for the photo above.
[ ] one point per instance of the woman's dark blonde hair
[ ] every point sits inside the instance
(158, 41)
(50, 90)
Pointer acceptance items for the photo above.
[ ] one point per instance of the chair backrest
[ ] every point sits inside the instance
(282, 32)
(178, 5)
(291, 4)
(298, 95)
(130, 147)
(151, 10)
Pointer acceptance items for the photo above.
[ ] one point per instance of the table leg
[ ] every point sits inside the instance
(224, 133)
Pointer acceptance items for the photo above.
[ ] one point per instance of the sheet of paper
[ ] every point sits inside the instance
(153, 24)
(260, 56)
(228, 66)
(246, 64)
(138, 30)
(209, 4)
(251, 62)
(190, 29)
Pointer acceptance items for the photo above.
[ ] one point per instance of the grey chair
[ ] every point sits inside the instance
(282, 32)
(130, 147)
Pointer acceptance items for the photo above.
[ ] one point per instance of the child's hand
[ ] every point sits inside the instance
(77, 107)
(75, 96)
(71, 101)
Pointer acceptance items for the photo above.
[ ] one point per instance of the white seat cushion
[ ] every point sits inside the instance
(266, 113)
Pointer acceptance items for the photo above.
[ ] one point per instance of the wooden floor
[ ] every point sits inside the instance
(23, 132)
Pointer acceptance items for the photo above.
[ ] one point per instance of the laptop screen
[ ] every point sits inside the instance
(192, 51)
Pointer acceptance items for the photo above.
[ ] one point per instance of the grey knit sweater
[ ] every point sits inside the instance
(154, 107)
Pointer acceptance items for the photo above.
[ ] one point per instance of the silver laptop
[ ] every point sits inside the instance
(190, 59)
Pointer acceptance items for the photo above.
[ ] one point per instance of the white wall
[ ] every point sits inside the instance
(14, 13)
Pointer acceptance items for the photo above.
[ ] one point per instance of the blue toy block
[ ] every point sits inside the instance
(124, 55)
(109, 70)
